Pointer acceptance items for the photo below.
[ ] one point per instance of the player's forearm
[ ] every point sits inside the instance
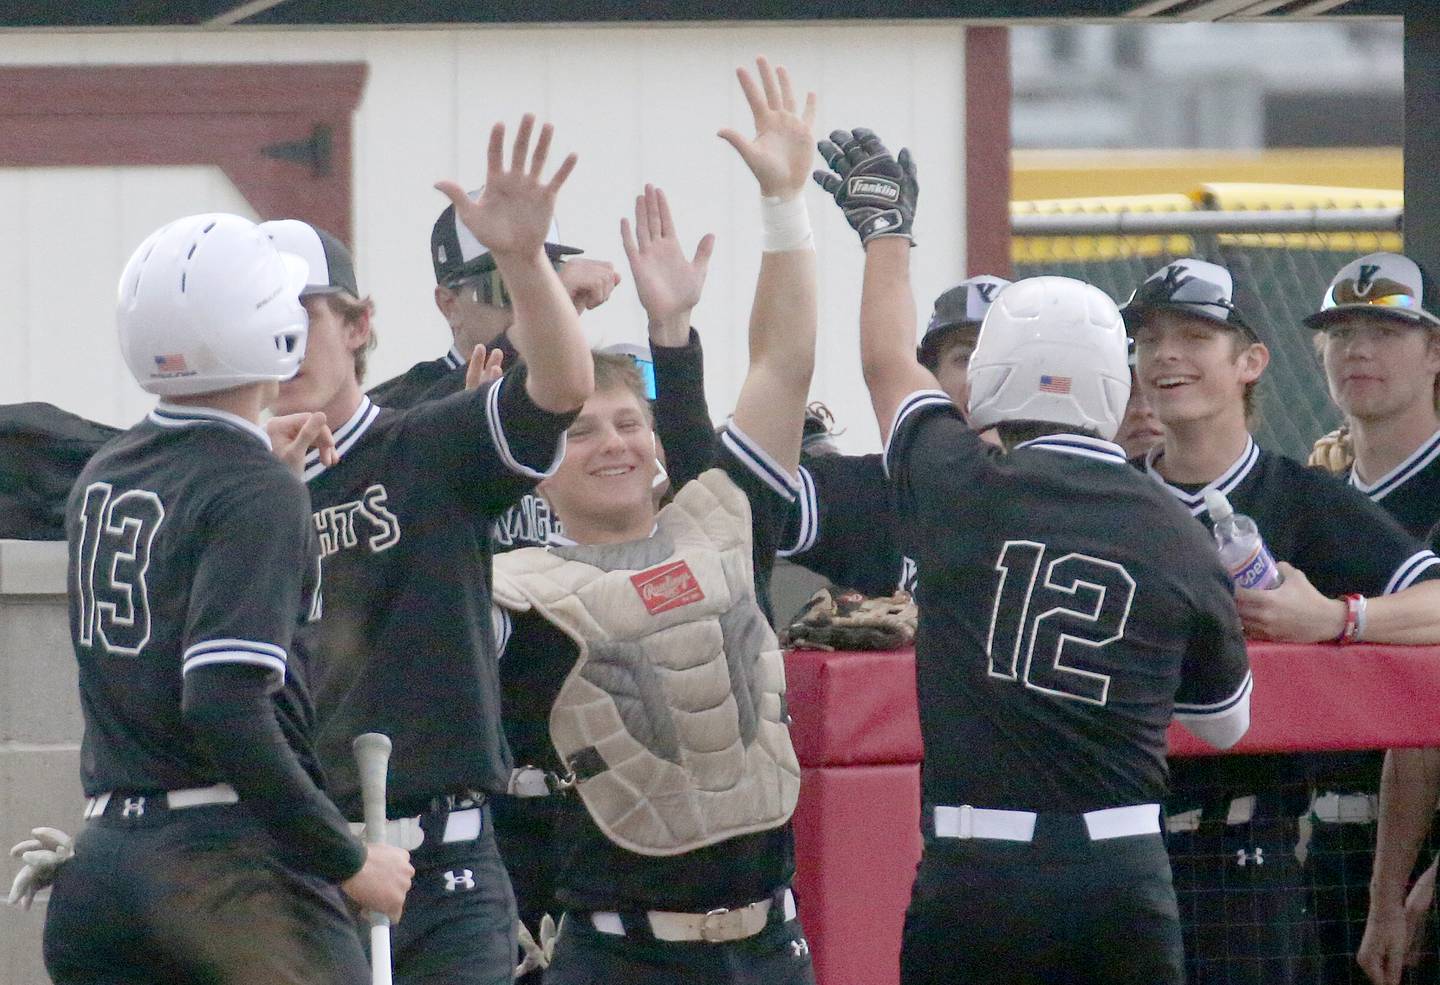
(771, 406)
(1408, 616)
(234, 717)
(1409, 789)
(547, 334)
(887, 329)
(783, 318)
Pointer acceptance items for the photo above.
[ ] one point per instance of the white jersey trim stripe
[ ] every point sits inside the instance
(809, 507)
(917, 400)
(345, 436)
(453, 359)
(1226, 483)
(235, 657)
(1078, 444)
(209, 646)
(1407, 573)
(1183, 711)
(501, 627)
(758, 461)
(170, 415)
(502, 444)
(1400, 474)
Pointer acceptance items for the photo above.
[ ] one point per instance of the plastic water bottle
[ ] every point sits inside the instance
(1242, 551)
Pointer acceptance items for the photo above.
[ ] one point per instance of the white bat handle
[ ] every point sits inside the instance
(372, 758)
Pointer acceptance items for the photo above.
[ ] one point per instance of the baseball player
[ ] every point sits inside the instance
(843, 524)
(673, 849)
(1053, 646)
(1350, 572)
(1379, 345)
(211, 852)
(405, 644)
(669, 286)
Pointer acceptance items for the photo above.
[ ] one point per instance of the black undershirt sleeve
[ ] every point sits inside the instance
(682, 418)
(230, 709)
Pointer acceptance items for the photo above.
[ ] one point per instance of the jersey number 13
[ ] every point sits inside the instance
(114, 555)
(1040, 625)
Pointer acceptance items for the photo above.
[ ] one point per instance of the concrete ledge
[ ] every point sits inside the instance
(32, 567)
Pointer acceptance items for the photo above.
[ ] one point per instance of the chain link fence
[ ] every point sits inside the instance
(1284, 257)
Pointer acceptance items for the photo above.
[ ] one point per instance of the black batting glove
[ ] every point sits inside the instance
(876, 192)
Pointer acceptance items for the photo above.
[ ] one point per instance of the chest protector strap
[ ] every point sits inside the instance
(673, 718)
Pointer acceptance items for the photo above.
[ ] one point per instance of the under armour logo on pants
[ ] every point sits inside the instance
(459, 879)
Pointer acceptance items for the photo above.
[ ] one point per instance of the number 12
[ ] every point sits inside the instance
(1100, 593)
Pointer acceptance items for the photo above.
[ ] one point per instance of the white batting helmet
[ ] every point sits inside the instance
(207, 303)
(1051, 349)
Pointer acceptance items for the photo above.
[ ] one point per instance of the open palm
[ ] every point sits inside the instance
(513, 212)
(668, 284)
(779, 153)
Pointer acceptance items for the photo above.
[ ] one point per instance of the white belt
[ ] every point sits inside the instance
(1346, 808)
(715, 927)
(175, 800)
(406, 833)
(982, 822)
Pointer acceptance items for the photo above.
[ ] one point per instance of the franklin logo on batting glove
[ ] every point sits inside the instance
(876, 191)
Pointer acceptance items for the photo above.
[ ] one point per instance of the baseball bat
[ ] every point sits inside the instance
(372, 756)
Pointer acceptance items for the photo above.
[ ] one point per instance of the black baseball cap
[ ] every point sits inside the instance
(962, 306)
(332, 269)
(1385, 285)
(457, 254)
(1195, 287)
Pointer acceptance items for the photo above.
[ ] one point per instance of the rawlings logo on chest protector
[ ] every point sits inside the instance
(667, 587)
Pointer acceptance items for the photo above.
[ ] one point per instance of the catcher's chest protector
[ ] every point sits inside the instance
(673, 717)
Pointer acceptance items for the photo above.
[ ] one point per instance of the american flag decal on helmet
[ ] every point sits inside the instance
(171, 363)
(1054, 384)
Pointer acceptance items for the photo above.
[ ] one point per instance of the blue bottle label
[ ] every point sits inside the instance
(1258, 571)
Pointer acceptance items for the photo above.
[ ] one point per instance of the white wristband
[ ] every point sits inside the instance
(786, 222)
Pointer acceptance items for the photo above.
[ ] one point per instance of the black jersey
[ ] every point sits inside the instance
(405, 645)
(1410, 492)
(1309, 518)
(528, 522)
(43, 448)
(1343, 543)
(844, 525)
(1067, 608)
(189, 546)
(594, 872)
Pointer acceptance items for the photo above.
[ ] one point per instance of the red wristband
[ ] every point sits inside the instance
(1353, 608)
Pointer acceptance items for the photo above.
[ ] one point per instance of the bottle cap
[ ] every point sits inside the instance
(1218, 506)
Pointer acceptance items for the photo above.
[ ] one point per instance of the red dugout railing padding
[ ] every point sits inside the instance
(857, 733)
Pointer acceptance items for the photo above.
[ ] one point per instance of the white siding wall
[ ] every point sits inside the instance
(638, 104)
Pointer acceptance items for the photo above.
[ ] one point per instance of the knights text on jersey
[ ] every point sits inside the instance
(594, 872)
(843, 525)
(404, 646)
(1410, 492)
(1062, 620)
(1341, 540)
(190, 546)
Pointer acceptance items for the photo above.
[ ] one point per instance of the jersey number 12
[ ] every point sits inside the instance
(114, 555)
(1038, 648)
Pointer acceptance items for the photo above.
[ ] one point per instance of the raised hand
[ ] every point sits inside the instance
(482, 368)
(876, 191)
(779, 153)
(512, 215)
(668, 284)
